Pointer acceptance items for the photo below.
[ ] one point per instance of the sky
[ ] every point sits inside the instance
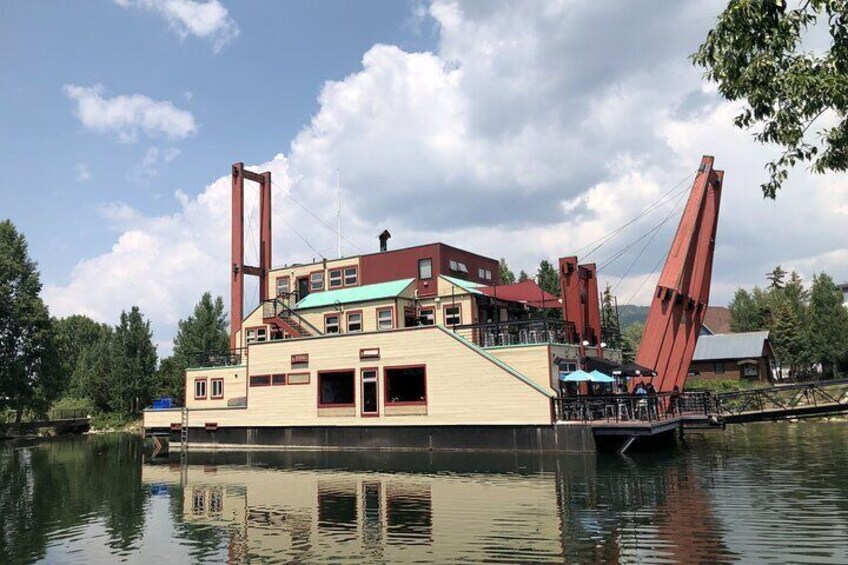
(512, 129)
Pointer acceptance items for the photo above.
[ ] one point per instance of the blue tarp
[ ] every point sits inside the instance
(575, 377)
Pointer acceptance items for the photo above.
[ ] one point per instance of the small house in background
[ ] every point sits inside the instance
(736, 356)
(716, 321)
(844, 288)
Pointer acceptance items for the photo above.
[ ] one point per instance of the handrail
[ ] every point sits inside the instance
(621, 407)
(517, 332)
(230, 358)
(786, 398)
(273, 307)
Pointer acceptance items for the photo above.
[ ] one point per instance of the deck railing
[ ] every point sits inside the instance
(621, 407)
(522, 332)
(231, 358)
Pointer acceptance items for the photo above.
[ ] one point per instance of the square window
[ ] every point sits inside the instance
(331, 324)
(425, 268)
(217, 388)
(385, 319)
(336, 388)
(316, 281)
(200, 389)
(428, 317)
(354, 322)
(282, 285)
(453, 315)
(335, 278)
(405, 385)
(256, 335)
(278, 380)
(453, 265)
(719, 368)
(351, 276)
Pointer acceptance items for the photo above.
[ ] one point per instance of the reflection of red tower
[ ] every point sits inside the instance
(239, 269)
(683, 291)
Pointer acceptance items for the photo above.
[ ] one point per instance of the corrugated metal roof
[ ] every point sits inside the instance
(363, 293)
(730, 346)
(465, 285)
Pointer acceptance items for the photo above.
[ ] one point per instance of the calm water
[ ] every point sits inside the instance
(762, 493)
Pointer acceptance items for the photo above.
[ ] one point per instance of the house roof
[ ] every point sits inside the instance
(525, 292)
(467, 286)
(362, 293)
(717, 319)
(730, 346)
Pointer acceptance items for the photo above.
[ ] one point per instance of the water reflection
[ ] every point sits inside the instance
(775, 494)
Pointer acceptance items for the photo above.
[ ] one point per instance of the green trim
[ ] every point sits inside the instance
(214, 367)
(467, 286)
(520, 376)
(365, 293)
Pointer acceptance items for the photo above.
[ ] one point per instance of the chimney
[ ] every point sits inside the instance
(384, 238)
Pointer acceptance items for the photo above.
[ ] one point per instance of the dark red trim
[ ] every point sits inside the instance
(205, 388)
(377, 314)
(386, 400)
(361, 321)
(362, 411)
(452, 305)
(210, 426)
(335, 371)
(252, 377)
(300, 359)
(290, 375)
(369, 353)
(262, 327)
(212, 388)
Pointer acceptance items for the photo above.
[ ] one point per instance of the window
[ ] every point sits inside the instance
(458, 267)
(282, 285)
(369, 392)
(719, 368)
(453, 266)
(278, 380)
(331, 324)
(351, 276)
(336, 388)
(453, 315)
(200, 389)
(256, 335)
(217, 388)
(354, 322)
(488, 275)
(316, 281)
(425, 268)
(260, 380)
(298, 378)
(428, 317)
(335, 278)
(385, 319)
(750, 370)
(405, 385)
(481, 273)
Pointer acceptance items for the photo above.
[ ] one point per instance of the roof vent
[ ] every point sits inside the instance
(384, 238)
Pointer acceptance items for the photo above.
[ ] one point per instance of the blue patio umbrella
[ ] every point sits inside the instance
(599, 377)
(575, 377)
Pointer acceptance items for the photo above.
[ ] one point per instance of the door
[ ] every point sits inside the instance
(302, 288)
(369, 393)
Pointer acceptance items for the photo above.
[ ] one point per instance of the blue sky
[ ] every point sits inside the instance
(513, 129)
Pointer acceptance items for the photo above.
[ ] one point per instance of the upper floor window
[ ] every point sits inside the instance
(256, 335)
(385, 319)
(428, 317)
(354, 322)
(453, 315)
(316, 281)
(217, 388)
(200, 389)
(481, 273)
(282, 285)
(335, 278)
(488, 275)
(458, 267)
(351, 276)
(425, 268)
(331, 324)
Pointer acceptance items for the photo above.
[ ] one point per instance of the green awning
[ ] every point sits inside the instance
(364, 293)
(467, 286)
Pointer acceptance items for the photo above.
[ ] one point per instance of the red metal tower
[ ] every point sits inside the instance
(239, 269)
(580, 307)
(683, 291)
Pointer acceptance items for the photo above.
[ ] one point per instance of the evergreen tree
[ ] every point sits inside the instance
(827, 323)
(611, 331)
(93, 376)
(30, 372)
(77, 334)
(631, 338)
(134, 363)
(523, 276)
(787, 336)
(205, 331)
(796, 295)
(547, 277)
(742, 311)
(776, 277)
(505, 275)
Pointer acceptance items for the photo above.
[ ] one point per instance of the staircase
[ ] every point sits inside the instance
(276, 311)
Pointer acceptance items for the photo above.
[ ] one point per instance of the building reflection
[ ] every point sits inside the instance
(445, 508)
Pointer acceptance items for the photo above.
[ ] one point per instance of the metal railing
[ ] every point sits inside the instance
(231, 358)
(57, 415)
(784, 398)
(522, 332)
(279, 308)
(621, 407)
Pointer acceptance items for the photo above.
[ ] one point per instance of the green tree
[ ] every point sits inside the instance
(757, 53)
(776, 277)
(133, 363)
(787, 336)
(93, 377)
(631, 338)
(827, 323)
(76, 334)
(205, 331)
(505, 275)
(797, 295)
(523, 276)
(611, 329)
(547, 277)
(30, 373)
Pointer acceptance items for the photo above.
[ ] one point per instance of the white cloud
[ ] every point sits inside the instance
(152, 162)
(83, 173)
(126, 115)
(527, 134)
(205, 20)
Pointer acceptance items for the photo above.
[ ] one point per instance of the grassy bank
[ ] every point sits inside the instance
(694, 384)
